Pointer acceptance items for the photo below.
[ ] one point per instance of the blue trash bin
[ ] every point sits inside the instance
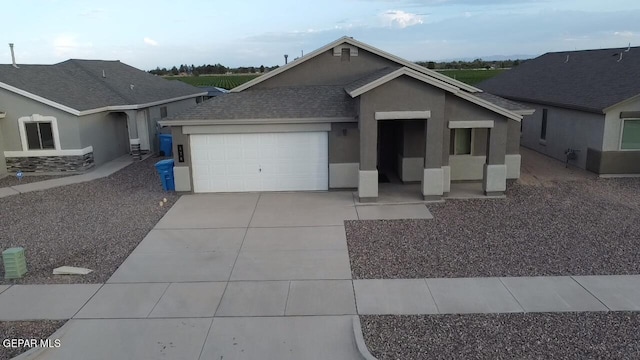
(166, 144)
(165, 170)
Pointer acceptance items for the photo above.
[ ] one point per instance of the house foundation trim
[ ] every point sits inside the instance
(367, 185)
(495, 179)
(432, 183)
(42, 153)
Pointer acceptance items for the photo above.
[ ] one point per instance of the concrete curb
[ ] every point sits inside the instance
(35, 353)
(357, 334)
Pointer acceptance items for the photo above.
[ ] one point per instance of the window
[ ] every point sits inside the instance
(39, 135)
(346, 54)
(630, 134)
(460, 142)
(163, 112)
(543, 128)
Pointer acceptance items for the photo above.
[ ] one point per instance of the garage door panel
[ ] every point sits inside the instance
(260, 162)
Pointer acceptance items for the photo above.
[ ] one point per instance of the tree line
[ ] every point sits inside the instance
(209, 69)
(475, 64)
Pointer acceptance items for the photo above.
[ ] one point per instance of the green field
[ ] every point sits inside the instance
(471, 77)
(222, 81)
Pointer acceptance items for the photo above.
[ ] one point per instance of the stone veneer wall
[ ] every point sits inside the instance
(50, 163)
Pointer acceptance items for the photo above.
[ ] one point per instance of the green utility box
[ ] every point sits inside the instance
(15, 264)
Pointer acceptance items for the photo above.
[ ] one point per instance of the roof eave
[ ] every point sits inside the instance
(609, 108)
(76, 112)
(550, 103)
(257, 121)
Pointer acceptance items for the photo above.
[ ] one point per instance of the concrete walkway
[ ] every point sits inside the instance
(99, 172)
(267, 276)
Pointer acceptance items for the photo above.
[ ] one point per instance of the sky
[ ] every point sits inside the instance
(147, 34)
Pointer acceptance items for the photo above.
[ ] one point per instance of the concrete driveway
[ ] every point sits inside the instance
(229, 276)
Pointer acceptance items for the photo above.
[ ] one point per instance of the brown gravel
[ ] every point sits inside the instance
(11, 180)
(587, 335)
(587, 227)
(94, 224)
(25, 330)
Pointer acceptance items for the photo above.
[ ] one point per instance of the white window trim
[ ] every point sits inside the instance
(38, 118)
(622, 133)
(472, 142)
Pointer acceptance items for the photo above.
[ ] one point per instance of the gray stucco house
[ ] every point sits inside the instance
(584, 100)
(341, 117)
(76, 114)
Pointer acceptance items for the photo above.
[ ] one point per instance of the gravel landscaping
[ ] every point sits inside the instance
(582, 227)
(25, 330)
(590, 335)
(94, 224)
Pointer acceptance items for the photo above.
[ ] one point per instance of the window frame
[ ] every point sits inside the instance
(544, 126)
(36, 118)
(622, 133)
(452, 146)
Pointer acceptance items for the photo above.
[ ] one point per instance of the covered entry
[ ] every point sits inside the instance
(290, 161)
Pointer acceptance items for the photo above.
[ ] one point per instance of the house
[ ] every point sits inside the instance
(588, 101)
(70, 116)
(347, 115)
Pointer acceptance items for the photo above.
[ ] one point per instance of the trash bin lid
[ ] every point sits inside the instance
(164, 163)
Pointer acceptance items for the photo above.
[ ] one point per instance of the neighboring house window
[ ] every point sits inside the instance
(39, 132)
(163, 112)
(630, 134)
(346, 54)
(39, 135)
(543, 128)
(461, 142)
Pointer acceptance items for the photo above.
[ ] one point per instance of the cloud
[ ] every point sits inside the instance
(401, 19)
(68, 45)
(151, 42)
(624, 33)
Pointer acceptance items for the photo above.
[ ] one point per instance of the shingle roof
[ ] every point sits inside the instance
(79, 84)
(590, 80)
(275, 103)
(369, 78)
(502, 102)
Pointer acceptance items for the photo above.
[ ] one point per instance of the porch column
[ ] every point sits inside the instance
(494, 179)
(132, 125)
(433, 174)
(368, 172)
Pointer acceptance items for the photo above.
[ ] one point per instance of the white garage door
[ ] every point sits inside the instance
(260, 162)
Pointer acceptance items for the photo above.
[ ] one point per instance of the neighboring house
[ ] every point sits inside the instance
(80, 113)
(213, 91)
(344, 116)
(585, 100)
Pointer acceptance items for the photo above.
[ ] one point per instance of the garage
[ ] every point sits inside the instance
(291, 161)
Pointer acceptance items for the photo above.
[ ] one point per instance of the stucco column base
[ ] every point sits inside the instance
(446, 178)
(432, 183)
(368, 185)
(494, 181)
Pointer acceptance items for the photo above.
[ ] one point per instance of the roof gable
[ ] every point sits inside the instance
(350, 41)
(384, 76)
(588, 80)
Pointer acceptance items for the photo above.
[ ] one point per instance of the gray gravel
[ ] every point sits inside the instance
(25, 330)
(574, 228)
(591, 335)
(11, 180)
(94, 224)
